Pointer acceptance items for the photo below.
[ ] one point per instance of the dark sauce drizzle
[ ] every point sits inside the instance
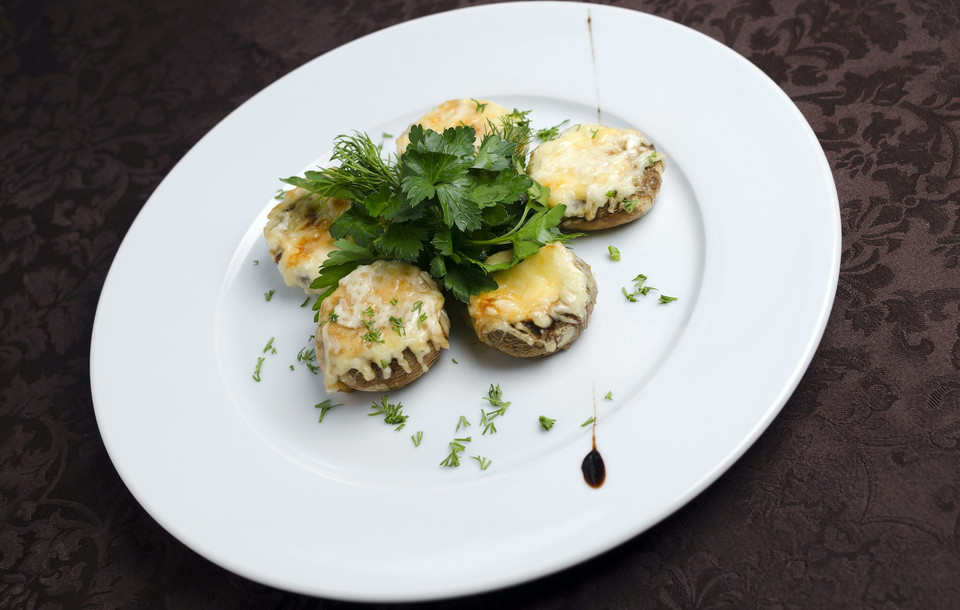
(593, 58)
(594, 472)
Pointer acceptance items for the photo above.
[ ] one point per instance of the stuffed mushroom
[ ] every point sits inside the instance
(298, 235)
(541, 304)
(604, 176)
(382, 328)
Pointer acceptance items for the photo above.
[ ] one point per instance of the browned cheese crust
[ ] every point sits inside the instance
(527, 340)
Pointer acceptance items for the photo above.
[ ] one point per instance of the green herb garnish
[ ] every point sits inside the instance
(268, 295)
(665, 299)
(373, 336)
(551, 133)
(546, 423)
(324, 407)
(484, 462)
(495, 397)
(256, 371)
(417, 437)
(443, 205)
(614, 252)
(588, 422)
(392, 414)
(457, 448)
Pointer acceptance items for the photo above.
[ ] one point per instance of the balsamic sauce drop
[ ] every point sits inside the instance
(593, 469)
(594, 472)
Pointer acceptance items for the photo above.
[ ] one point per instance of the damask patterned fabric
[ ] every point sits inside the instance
(852, 497)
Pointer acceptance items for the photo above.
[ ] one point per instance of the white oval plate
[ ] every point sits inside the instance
(746, 236)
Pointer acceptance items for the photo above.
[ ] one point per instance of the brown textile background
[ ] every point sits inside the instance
(851, 499)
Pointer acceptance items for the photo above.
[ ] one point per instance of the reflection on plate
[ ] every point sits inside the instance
(242, 472)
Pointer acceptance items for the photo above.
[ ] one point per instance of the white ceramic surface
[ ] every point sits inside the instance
(746, 235)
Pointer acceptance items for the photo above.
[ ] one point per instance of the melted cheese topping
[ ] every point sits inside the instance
(591, 166)
(298, 235)
(471, 113)
(377, 312)
(542, 288)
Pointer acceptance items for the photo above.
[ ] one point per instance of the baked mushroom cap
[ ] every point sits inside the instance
(541, 305)
(382, 328)
(604, 176)
(298, 235)
(479, 114)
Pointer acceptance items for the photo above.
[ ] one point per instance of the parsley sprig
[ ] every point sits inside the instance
(444, 205)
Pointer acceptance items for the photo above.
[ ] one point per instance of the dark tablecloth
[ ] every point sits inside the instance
(850, 499)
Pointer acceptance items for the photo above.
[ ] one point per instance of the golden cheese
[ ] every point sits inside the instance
(478, 114)
(376, 313)
(543, 288)
(298, 235)
(590, 166)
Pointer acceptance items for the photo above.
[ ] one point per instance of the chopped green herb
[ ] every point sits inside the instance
(665, 299)
(392, 413)
(393, 302)
(256, 371)
(551, 133)
(614, 252)
(255, 263)
(639, 288)
(398, 326)
(480, 107)
(611, 193)
(546, 423)
(268, 295)
(593, 133)
(418, 306)
(457, 448)
(324, 407)
(609, 396)
(308, 356)
(463, 423)
(484, 462)
(292, 368)
(305, 301)
(384, 364)
(373, 336)
(630, 205)
(417, 437)
(279, 195)
(495, 397)
(588, 422)
(269, 346)
(386, 135)
(421, 320)
(454, 361)
(368, 312)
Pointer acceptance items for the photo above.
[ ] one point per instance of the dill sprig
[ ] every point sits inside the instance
(457, 447)
(392, 413)
(324, 407)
